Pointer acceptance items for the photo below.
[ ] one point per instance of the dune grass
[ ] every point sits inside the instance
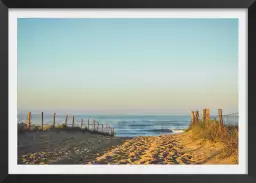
(211, 130)
(22, 127)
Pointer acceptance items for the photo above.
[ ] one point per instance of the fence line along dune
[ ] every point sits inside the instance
(91, 126)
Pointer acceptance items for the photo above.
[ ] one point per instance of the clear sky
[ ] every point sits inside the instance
(127, 65)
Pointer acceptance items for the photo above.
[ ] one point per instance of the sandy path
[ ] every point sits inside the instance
(167, 149)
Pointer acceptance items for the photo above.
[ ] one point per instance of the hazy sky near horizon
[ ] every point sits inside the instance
(127, 65)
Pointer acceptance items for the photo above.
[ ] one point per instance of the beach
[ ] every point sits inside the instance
(90, 148)
(180, 148)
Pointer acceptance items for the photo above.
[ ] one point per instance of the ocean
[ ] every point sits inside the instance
(124, 125)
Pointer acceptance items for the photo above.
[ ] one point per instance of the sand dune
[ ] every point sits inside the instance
(167, 149)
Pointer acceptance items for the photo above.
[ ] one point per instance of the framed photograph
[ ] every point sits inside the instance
(127, 88)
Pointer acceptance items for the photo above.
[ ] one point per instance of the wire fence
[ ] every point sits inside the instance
(41, 121)
(229, 119)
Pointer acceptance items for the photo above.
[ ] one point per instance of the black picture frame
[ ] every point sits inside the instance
(5, 4)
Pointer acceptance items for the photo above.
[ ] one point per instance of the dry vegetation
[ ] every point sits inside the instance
(210, 130)
(22, 127)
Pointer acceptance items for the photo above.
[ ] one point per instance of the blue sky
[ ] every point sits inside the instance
(127, 65)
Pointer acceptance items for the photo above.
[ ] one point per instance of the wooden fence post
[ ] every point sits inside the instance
(81, 125)
(220, 118)
(97, 128)
(197, 117)
(53, 121)
(42, 121)
(29, 120)
(204, 115)
(88, 124)
(192, 117)
(102, 128)
(66, 121)
(208, 114)
(73, 121)
(93, 125)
